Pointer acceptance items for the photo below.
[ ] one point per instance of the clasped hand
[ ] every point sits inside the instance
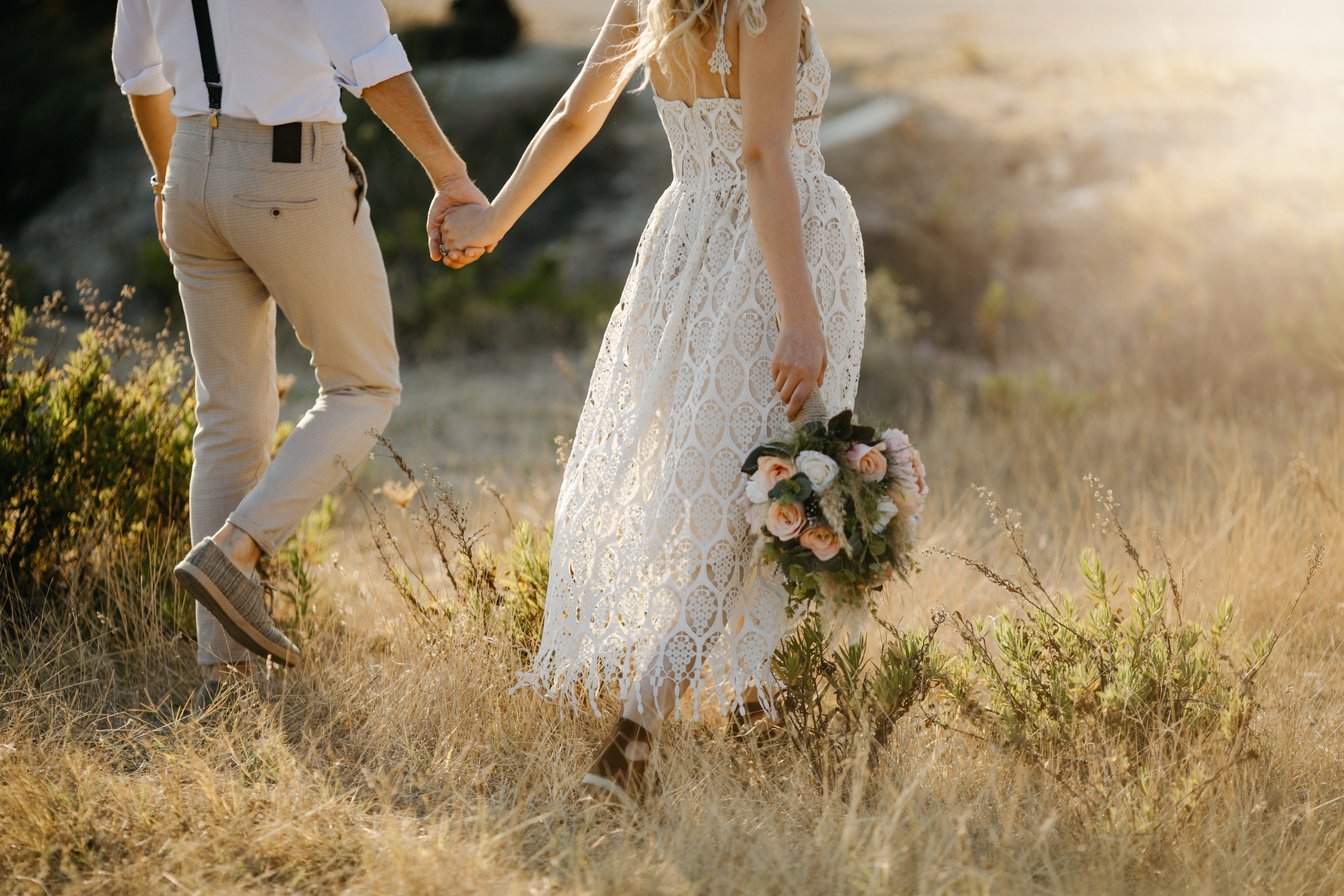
(470, 229)
(459, 219)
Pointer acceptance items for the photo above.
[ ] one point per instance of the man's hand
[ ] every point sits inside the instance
(158, 222)
(452, 193)
(156, 123)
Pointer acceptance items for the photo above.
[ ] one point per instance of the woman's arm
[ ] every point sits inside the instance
(768, 74)
(574, 121)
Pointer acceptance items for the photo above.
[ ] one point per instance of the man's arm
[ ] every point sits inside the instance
(402, 107)
(371, 63)
(137, 62)
(156, 124)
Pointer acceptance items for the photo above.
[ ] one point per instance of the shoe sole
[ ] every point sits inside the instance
(199, 586)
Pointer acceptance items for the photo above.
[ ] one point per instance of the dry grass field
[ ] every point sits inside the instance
(1156, 196)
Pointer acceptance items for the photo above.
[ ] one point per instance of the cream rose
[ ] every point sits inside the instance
(871, 462)
(775, 470)
(785, 521)
(821, 541)
(818, 468)
(886, 511)
(756, 514)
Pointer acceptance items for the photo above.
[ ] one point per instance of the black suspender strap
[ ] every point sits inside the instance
(205, 36)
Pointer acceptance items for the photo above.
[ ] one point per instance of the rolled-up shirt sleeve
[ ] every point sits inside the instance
(358, 39)
(137, 61)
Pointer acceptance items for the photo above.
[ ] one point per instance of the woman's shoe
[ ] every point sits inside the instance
(615, 775)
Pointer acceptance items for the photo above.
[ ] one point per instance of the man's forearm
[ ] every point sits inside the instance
(402, 107)
(157, 124)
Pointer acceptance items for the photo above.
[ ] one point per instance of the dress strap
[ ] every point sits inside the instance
(719, 61)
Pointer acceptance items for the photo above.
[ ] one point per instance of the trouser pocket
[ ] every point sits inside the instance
(361, 181)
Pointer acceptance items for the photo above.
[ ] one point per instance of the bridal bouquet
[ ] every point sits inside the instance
(835, 506)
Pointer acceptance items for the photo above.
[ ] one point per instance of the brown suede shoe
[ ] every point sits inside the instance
(614, 776)
(238, 602)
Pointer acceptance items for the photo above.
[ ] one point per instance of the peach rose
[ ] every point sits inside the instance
(871, 462)
(775, 470)
(917, 463)
(821, 541)
(897, 442)
(785, 521)
(909, 495)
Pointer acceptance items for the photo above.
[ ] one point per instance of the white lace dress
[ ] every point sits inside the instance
(651, 565)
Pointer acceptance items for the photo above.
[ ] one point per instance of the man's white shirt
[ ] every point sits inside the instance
(279, 60)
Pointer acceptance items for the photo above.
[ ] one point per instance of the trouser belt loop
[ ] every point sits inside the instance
(315, 152)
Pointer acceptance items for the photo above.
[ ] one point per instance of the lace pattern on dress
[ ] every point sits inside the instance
(652, 570)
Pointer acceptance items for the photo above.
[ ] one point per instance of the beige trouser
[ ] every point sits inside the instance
(247, 234)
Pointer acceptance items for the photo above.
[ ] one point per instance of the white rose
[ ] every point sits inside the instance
(886, 511)
(758, 492)
(818, 468)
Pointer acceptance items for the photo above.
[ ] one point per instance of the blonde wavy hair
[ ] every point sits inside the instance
(672, 31)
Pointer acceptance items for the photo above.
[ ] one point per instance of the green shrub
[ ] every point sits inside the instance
(840, 701)
(529, 572)
(1134, 708)
(95, 452)
(1040, 395)
(483, 307)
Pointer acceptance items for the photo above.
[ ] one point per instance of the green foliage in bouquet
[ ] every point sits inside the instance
(853, 539)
